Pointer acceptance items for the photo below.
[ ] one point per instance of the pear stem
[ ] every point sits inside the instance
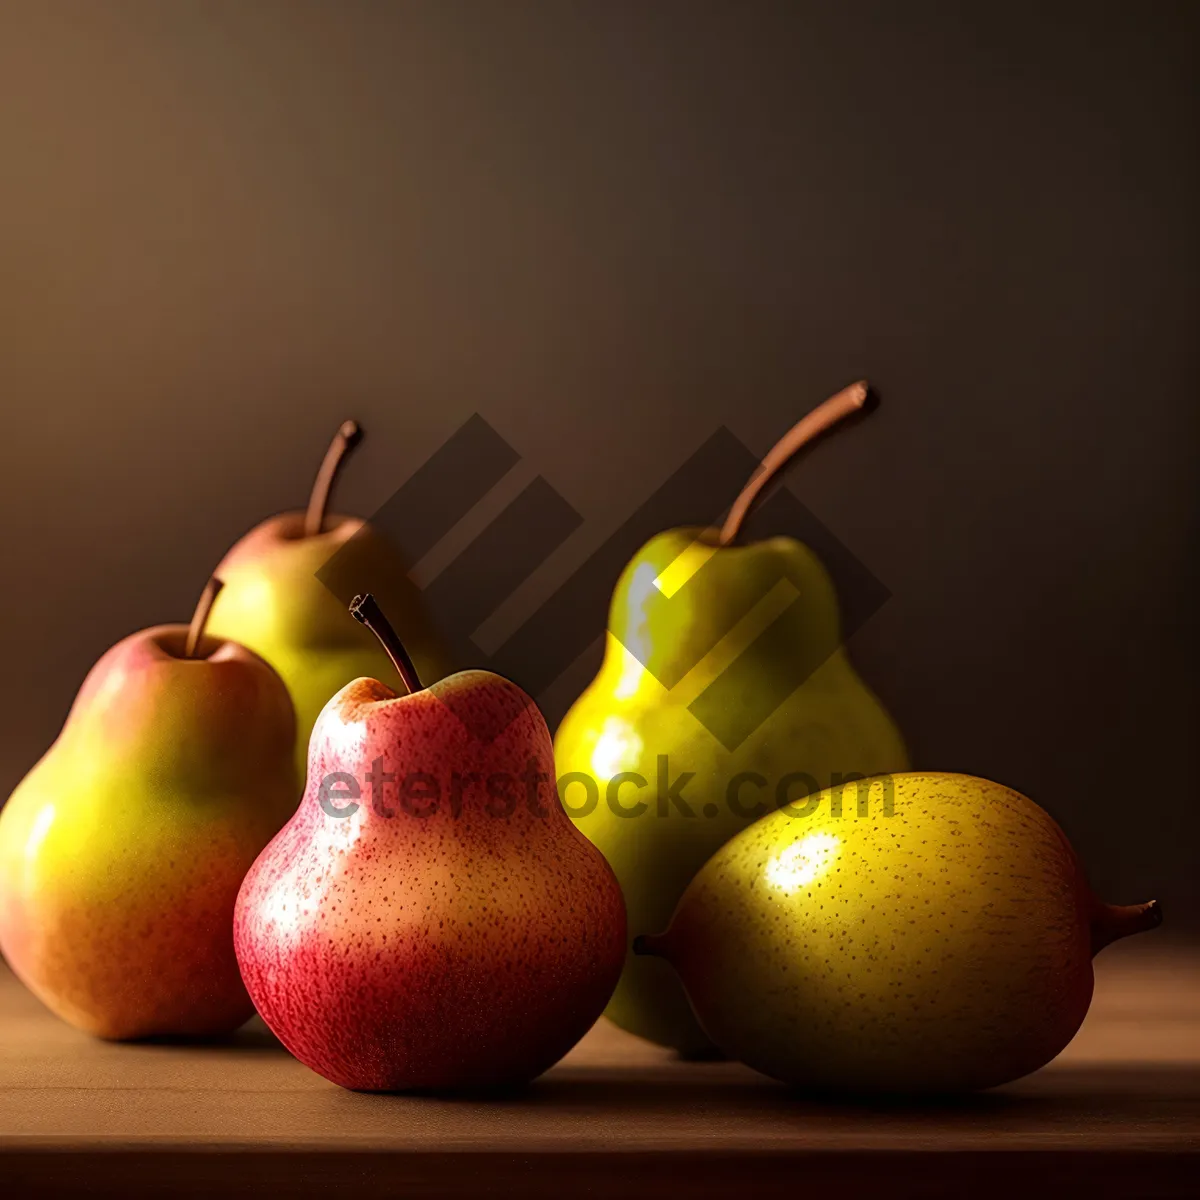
(346, 438)
(848, 400)
(366, 609)
(650, 944)
(1113, 921)
(200, 616)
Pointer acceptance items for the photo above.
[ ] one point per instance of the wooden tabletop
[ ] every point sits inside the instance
(1118, 1114)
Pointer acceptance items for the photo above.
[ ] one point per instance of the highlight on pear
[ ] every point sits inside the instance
(935, 937)
(436, 914)
(689, 605)
(460, 947)
(122, 851)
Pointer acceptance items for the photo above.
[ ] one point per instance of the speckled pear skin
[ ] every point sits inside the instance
(274, 603)
(627, 717)
(443, 951)
(122, 851)
(944, 948)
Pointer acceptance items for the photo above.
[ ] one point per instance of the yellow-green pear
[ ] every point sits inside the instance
(915, 933)
(122, 851)
(274, 602)
(724, 692)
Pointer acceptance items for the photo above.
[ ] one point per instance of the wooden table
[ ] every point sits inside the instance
(1117, 1114)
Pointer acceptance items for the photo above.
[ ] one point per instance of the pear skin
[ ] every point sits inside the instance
(274, 603)
(668, 641)
(918, 933)
(122, 851)
(434, 921)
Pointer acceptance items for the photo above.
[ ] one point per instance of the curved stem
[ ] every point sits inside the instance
(200, 616)
(1113, 921)
(366, 609)
(343, 442)
(847, 401)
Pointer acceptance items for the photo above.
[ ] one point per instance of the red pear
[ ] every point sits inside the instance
(429, 918)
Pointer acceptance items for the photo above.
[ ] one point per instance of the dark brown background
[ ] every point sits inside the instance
(610, 228)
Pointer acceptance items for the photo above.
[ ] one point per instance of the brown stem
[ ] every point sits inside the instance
(366, 609)
(1113, 921)
(343, 442)
(847, 401)
(200, 616)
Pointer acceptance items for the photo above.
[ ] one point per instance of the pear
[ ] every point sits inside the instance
(274, 603)
(429, 918)
(689, 732)
(122, 851)
(916, 933)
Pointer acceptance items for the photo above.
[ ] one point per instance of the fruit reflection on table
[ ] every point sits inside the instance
(429, 917)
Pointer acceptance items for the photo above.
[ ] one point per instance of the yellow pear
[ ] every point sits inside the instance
(702, 719)
(274, 602)
(122, 851)
(913, 933)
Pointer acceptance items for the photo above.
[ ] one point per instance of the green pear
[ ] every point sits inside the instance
(693, 729)
(274, 603)
(915, 933)
(122, 851)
